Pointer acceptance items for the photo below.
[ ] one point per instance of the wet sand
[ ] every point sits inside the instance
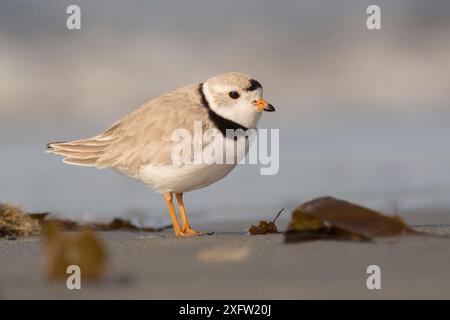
(233, 265)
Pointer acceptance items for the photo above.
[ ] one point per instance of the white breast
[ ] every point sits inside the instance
(188, 177)
(183, 178)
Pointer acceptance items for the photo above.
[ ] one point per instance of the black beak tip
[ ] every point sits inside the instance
(269, 108)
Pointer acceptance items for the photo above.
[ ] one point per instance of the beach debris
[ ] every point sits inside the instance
(115, 224)
(224, 254)
(15, 222)
(64, 249)
(39, 217)
(265, 227)
(330, 218)
(121, 224)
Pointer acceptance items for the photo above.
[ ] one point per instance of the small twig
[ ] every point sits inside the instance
(278, 214)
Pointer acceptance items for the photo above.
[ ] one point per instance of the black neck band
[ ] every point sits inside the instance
(220, 122)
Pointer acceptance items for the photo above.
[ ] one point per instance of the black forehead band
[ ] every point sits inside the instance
(254, 85)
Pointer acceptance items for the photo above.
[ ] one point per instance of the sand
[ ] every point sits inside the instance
(233, 265)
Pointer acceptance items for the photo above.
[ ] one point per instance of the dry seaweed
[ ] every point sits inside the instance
(15, 222)
(265, 227)
(39, 217)
(120, 224)
(81, 248)
(330, 218)
(115, 224)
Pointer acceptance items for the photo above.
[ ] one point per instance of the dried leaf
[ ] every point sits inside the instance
(330, 218)
(15, 222)
(302, 221)
(81, 248)
(265, 227)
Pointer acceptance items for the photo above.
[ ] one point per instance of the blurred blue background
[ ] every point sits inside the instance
(363, 115)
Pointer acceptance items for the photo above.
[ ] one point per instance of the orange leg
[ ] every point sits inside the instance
(173, 215)
(186, 229)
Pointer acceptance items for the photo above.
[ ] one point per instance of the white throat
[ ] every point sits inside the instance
(242, 112)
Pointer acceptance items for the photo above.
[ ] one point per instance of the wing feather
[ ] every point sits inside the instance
(142, 137)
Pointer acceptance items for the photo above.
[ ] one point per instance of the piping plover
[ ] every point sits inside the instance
(140, 145)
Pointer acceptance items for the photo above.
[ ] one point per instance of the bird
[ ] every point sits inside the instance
(140, 145)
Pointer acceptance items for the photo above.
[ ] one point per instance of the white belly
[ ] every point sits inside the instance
(183, 178)
(188, 177)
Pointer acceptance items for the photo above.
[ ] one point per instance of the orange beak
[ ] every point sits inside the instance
(263, 105)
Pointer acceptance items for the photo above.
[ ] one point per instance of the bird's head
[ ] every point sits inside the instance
(236, 97)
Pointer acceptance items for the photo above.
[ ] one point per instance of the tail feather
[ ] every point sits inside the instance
(76, 154)
(84, 152)
(88, 162)
(92, 142)
(75, 147)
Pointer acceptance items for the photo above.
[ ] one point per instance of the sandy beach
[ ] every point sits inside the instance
(362, 103)
(234, 265)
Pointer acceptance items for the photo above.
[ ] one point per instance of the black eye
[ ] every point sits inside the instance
(234, 94)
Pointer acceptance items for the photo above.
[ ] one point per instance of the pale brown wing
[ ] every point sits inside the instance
(142, 137)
